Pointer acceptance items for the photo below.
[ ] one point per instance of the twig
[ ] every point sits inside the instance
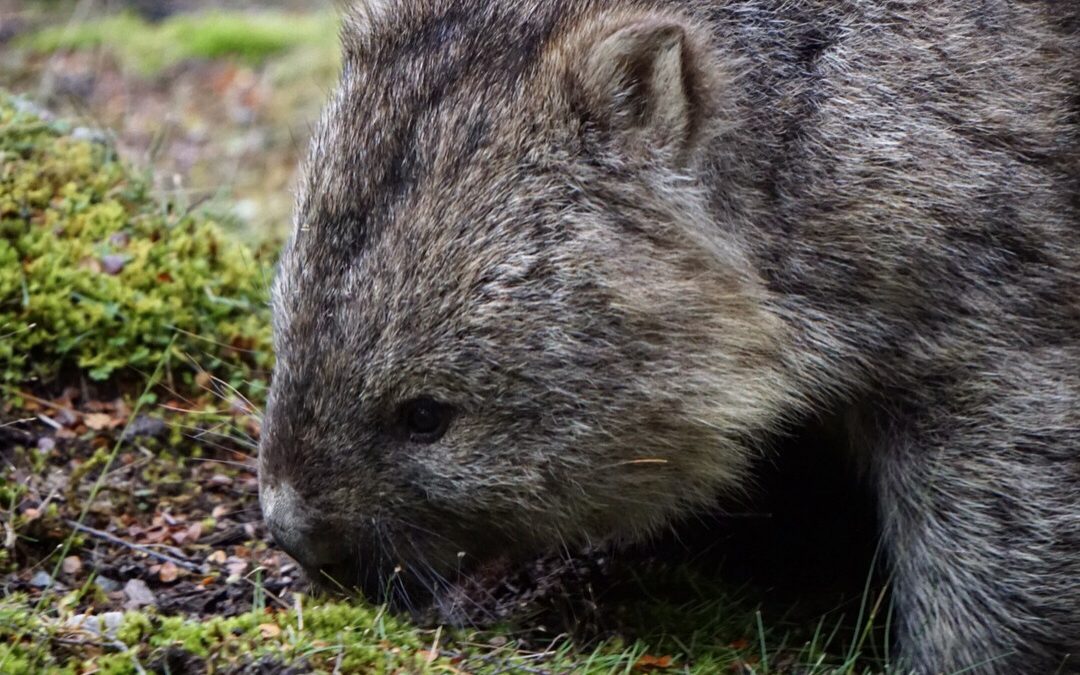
(101, 534)
(45, 402)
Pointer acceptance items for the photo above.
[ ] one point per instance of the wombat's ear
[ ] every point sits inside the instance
(648, 82)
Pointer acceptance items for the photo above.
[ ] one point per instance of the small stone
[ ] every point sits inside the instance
(89, 135)
(138, 594)
(72, 565)
(23, 105)
(66, 417)
(106, 584)
(145, 426)
(103, 625)
(113, 263)
(46, 444)
(41, 579)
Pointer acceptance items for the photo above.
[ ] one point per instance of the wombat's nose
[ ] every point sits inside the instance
(306, 537)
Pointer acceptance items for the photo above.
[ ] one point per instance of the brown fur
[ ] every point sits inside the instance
(624, 242)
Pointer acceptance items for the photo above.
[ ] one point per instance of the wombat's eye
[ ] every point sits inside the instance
(425, 419)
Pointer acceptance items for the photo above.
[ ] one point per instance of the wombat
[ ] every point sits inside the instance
(563, 268)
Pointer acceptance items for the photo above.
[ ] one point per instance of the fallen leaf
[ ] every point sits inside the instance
(217, 557)
(269, 630)
(194, 531)
(648, 662)
(169, 572)
(98, 421)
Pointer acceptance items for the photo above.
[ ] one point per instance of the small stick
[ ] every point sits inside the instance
(138, 547)
(45, 402)
(13, 423)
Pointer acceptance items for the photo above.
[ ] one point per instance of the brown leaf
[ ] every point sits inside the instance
(269, 630)
(169, 572)
(155, 535)
(98, 421)
(648, 662)
(194, 531)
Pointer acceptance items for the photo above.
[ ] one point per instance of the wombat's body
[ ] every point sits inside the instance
(563, 267)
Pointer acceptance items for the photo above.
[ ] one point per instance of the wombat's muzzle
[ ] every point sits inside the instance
(336, 557)
(313, 541)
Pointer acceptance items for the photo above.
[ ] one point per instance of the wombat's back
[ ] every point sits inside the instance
(916, 165)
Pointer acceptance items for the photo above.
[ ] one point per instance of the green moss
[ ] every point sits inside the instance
(97, 273)
(21, 634)
(147, 48)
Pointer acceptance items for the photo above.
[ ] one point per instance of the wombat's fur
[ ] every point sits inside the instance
(562, 267)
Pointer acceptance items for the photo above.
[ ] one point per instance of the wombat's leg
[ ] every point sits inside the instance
(980, 498)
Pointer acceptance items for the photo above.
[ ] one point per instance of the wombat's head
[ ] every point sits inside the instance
(501, 324)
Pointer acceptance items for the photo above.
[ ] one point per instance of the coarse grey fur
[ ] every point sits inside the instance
(625, 242)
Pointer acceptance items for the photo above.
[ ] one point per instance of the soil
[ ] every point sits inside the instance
(174, 522)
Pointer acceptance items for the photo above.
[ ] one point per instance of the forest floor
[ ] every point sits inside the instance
(132, 535)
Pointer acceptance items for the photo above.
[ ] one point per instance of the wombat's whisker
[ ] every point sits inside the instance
(249, 466)
(200, 432)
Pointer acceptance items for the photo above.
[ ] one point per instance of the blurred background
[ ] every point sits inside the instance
(214, 100)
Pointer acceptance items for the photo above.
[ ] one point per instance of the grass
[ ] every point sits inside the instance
(148, 48)
(325, 636)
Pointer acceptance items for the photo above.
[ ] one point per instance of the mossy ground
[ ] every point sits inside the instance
(108, 282)
(97, 274)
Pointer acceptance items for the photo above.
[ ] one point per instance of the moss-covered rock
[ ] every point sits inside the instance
(99, 273)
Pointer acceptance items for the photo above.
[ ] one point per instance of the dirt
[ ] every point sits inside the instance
(181, 518)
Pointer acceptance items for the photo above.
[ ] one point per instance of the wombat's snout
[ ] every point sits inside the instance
(312, 541)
